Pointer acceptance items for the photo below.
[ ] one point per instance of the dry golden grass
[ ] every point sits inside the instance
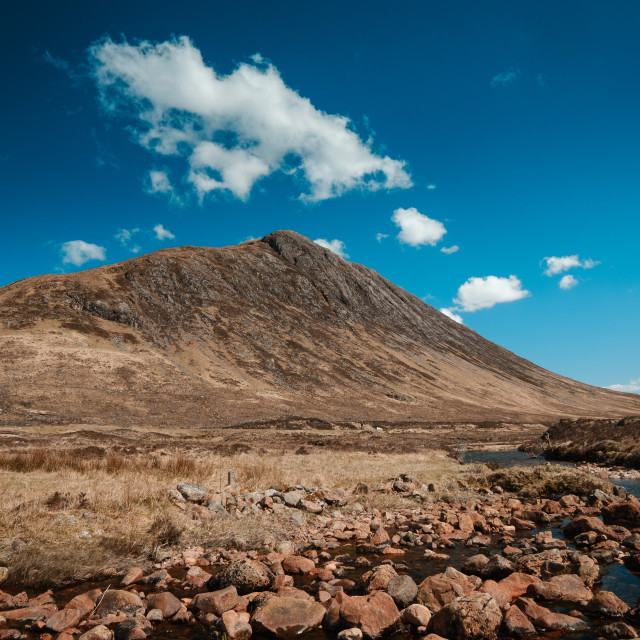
(67, 518)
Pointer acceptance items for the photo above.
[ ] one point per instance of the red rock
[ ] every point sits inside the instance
(292, 592)
(465, 523)
(133, 575)
(621, 513)
(43, 598)
(310, 506)
(166, 602)
(543, 618)
(522, 525)
(440, 589)
(298, 565)
(236, 625)
(583, 524)
(216, 602)
(82, 603)
(321, 574)
(380, 536)
(374, 614)
(473, 617)
(618, 630)
(561, 622)
(287, 617)
(115, 600)
(29, 614)
(517, 584)
(379, 577)
(608, 604)
(63, 619)
(245, 575)
(181, 617)
(500, 594)
(416, 615)
(567, 587)
(10, 634)
(516, 623)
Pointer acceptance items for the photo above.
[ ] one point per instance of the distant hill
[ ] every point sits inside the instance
(203, 336)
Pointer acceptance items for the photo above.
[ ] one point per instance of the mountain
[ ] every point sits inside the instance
(268, 328)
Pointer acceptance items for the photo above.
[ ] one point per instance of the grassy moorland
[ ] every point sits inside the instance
(73, 512)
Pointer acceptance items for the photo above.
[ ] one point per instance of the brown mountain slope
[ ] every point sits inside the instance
(200, 336)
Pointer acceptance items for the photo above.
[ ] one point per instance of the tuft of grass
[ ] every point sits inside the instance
(546, 481)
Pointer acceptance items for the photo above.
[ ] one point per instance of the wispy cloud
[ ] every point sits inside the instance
(559, 264)
(431, 187)
(337, 246)
(125, 238)
(58, 63)
(417, 229)
(234, 130)
(77, 252)
(506, 78)
(632, 387)
(449, 250)
(162, 233)
(381, 236)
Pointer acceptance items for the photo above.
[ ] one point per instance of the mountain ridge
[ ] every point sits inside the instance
(271, 327)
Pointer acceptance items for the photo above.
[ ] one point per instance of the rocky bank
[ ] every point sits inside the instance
(495, 566)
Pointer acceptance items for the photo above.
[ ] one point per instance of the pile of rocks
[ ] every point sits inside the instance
(235, 501)
(516, 579)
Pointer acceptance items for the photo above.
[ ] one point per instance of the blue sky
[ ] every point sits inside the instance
(509, 130)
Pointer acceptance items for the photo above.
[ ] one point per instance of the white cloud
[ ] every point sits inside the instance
(162, 233)
(234, 130)
(506, 78)
(556, 265)
(124, 236)
(337, 246)
(567, 282)
(158, 182)
(431, 187)
(417, 229)
(484, 293)
(77, 252)
(450, 314)
(632, 387)
(381, 236)
(449, 250)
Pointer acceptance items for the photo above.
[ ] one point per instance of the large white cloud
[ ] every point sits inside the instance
(632, 387)
(337, 246)
(417, 229)
(483, 293)
(234, 130)
(559, 264)
(77, 252)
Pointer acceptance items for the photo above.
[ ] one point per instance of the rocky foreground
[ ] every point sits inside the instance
(490, 567)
